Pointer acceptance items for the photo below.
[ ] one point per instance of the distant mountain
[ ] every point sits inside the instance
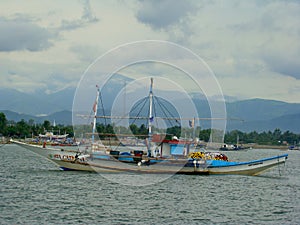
(289, 122)
(257, 114)
(263, 115)
(10, 115)
(62, 117)
(36, 103)
(261, 109)
(284, 123)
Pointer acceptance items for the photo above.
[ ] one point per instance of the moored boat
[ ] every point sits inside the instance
(162, 156)
(195, 163)
(233, 148)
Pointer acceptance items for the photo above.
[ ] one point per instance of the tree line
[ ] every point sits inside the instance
(276, 137)
(23, 129)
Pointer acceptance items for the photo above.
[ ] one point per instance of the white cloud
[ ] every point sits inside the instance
(246, 43)
(162, 14)
(86, 19)
(18, 35)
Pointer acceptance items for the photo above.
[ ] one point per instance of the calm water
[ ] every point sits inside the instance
(34, 191)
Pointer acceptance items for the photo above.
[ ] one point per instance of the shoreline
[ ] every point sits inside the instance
(253, 146)
(285, 147)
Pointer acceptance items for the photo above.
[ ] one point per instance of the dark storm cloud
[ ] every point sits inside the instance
(161, 14)
(17, 35)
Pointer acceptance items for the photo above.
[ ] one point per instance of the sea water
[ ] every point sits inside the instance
(35, 191)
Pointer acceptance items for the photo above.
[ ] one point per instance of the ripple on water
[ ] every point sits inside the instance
(34, 191)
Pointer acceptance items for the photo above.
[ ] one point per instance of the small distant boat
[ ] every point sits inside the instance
(51, 136)
(233, 148)
(294, 147)
(161, 156)
(54, 140)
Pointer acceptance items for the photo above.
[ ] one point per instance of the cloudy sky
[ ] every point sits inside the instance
(253, 47)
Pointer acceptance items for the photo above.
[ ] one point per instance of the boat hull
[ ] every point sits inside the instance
(61, 157)
(255, 167)
(69, 160)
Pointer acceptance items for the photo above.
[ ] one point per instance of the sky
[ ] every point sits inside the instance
(252, 47)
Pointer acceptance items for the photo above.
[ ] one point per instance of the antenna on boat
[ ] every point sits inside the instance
(150, 120)
(95, 108)
(124, 100)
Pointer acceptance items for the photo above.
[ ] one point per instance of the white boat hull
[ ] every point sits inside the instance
(69, 160)
(61, 157)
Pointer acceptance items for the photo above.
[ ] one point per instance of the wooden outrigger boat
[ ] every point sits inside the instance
(168, 157)
(100, 162)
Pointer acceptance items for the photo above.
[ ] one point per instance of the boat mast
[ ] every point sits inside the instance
(95, 108)
(150, 118)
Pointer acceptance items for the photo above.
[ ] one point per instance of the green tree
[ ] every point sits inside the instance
(289, 137)
(11, 131)
(67, 130)
(109, 129)
(252, 137)
(143, 130)
(176, 131)
(23, 129)
(134, 129)
(204, 135)
(3, 123)
(47, 125)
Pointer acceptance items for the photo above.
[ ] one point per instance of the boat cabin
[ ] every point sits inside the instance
(171, 146)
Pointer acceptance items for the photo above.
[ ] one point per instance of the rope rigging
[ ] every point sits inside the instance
(163, 107)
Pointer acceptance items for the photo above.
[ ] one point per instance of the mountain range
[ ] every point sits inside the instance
(254, 114)
(37, 103)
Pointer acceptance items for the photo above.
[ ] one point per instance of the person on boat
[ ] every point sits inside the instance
(156, 152)
(76, 157)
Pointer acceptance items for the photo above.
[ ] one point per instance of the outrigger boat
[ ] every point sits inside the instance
(196, 163)
(167, 157)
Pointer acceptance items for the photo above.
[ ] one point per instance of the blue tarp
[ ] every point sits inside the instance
(177, 149)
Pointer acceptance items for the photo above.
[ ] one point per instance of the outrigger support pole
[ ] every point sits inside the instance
(95, 108)
(150, 120)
